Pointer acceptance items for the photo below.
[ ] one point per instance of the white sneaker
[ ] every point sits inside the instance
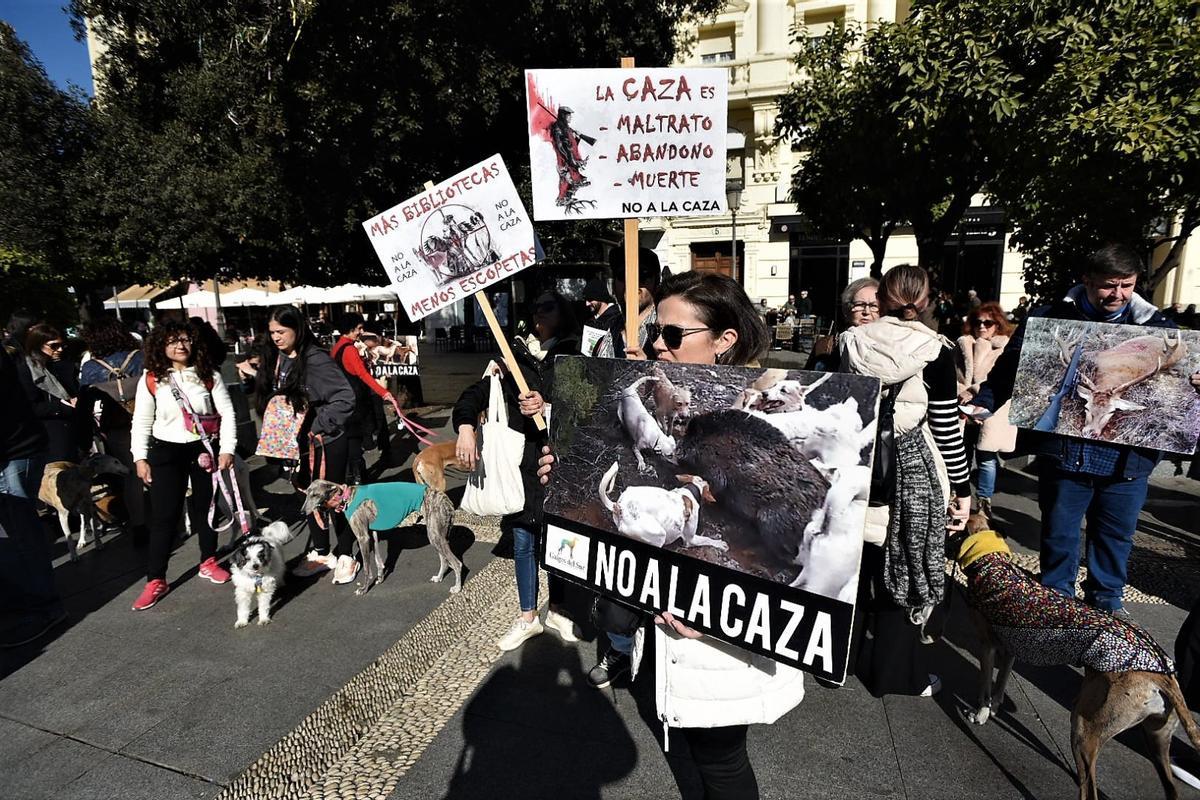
(313, 564)
(519, 632)
(345, 569)
(567, 630)
(935, 686)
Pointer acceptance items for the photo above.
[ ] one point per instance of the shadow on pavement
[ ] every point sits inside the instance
(546, 691)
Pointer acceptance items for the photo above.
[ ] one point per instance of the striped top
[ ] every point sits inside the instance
(942, 387)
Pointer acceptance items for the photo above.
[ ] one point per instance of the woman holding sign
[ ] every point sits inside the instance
(712, 691)
(557, 333)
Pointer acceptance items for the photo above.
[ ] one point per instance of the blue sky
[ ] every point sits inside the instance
(46, 28)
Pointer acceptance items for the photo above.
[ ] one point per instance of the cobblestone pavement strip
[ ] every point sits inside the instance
(370, 731)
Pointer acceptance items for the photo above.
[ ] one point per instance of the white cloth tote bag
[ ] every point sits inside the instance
(495, 487)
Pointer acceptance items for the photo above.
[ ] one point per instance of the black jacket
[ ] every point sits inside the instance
(539, 374)
(21, 435)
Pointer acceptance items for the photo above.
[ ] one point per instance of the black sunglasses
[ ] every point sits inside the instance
(672, 335)
(987, 323)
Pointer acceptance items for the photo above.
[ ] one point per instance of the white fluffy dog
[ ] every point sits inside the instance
(656, 516)
(257, 567)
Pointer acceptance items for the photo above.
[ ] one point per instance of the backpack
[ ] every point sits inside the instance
(883, 468)
(123, 386)
(362, 420)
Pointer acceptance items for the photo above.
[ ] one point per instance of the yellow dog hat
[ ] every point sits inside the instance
(978, 545)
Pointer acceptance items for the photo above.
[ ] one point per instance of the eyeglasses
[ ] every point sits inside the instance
(183, 341)
(672, 335)
(862, 305)
(54, 345)
(987, 323)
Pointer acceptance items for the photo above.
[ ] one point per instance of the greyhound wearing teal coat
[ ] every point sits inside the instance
(381, 507)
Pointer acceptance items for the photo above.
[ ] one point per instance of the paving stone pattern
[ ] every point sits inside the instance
(361, 740)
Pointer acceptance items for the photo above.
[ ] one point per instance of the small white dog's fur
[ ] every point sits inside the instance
(657, 516)
(641, 426)
(258, 568)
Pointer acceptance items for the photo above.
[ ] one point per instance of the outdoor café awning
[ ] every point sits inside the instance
(139, 295)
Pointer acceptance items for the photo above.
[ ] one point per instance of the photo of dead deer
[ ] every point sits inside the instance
(1124, 384)
(764, 471)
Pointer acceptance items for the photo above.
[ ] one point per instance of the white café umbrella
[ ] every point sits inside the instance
(200, 299)
(249, 296)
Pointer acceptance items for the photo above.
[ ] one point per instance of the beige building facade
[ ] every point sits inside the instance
(775, 254)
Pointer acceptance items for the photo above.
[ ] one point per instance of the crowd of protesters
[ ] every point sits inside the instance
(947, 372)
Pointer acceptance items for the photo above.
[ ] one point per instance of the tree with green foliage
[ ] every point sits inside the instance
(247, 138)
(43, 131)
(1111, 151)
(1079, 120)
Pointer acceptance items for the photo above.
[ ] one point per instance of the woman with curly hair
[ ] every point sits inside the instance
(297, 368)
(178, 398)
(115, 354)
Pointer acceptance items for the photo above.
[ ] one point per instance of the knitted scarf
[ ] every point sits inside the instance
(914, 559)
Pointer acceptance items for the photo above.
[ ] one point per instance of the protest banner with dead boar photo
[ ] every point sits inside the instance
(1125, 384)
(732, 497)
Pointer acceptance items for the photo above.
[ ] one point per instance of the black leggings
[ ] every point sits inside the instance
(171, 464)
(335, 454)
(720, 755)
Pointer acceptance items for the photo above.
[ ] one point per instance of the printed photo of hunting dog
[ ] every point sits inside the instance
(764, 471)
(1124, 384)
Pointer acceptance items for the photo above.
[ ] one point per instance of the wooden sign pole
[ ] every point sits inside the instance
(505, 350)
(631, 267)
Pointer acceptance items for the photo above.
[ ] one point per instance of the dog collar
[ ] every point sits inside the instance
(258, 584)
(980, 544)
(344, 500)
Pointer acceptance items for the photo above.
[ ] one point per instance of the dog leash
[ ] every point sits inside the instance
(232, 498)
(425, 436)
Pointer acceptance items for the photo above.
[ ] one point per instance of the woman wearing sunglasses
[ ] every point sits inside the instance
(53, 390)
(985, 335)
(709, 690)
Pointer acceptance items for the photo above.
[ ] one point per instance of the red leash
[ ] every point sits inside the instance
(425, 436)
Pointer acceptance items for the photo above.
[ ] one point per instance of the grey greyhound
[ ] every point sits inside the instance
(381, 507)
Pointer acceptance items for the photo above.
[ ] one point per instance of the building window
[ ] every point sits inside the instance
(716, 45)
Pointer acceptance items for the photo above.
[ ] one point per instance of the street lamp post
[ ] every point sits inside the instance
(733, 195)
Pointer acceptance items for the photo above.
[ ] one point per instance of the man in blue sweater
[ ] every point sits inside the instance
(1105, 482)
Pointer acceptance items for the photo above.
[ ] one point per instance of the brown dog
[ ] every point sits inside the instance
(1128, 679)
(67, 488)
(429, 467)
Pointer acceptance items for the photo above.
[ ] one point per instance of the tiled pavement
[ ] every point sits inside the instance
(402, 694)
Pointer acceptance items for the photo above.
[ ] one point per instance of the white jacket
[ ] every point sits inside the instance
(158, 414)
(896, 351)
(706, 683)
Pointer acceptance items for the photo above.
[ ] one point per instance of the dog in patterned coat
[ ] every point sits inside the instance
(1128, 679)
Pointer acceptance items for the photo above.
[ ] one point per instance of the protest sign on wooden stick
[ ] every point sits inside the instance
(631, 264)
(453, 240)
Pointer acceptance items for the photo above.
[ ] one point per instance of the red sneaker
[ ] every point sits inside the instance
(154, 591)
(209, 568)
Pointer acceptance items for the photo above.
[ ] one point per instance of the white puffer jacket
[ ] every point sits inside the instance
(706, 683)
(896, 351)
